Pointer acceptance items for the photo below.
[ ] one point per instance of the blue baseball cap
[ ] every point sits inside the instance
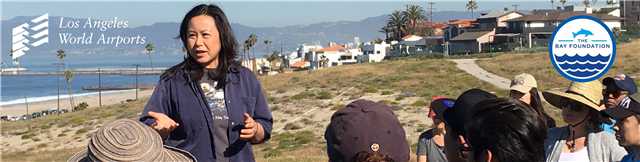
(623, 82)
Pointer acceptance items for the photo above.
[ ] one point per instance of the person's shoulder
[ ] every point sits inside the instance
(555, 132)
(427, 134)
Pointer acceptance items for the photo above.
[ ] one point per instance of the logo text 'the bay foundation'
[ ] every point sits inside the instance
(24, 34)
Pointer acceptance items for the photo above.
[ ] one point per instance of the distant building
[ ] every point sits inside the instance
(630, 10)
(374, 52)
(536, 30)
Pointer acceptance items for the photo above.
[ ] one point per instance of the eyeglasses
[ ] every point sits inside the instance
(575, 105)
(464, 150)
(615, 93)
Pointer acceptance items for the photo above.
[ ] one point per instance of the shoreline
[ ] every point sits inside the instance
(108, 99)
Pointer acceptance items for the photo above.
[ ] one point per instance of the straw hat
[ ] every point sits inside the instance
(129, 140)
(587, 93)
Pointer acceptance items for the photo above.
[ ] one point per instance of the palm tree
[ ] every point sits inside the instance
(552, 4)
(254, 39)
(248, 46)
(267, 42)
(563, 1)
(385, 29)
(585, 2)
(150, 49)
(19, 79)
(397, 20)
(472, 5)
(594, 1)
(414, 15)
(69, 76)
(61, 54)
(506, 9)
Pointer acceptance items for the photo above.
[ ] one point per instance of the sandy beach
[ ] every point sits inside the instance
(19, 110)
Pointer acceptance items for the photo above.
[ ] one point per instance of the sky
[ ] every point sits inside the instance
(248, 13)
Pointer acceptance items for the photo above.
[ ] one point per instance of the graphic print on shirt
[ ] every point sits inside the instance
(215, 99)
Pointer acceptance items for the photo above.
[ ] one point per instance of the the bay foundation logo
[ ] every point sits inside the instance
(24, 34)
(582, 48)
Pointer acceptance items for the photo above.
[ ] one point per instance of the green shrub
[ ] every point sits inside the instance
(27, 136)
(42, 145)
(81, 130)
(304, 137)
(387, 93)
(399, 98)
(300, 96)
(36, 139)
(62, 135)
(274, 108)
(371, 90)
(271, 99)
(396, 108)
(272, 153)
(338, 107)
(282, 90)
(288, 126)
(78, 120)
(325, 95)
(384, 101)
(295, 79)
(419, 103)
(284, 135)
(45, 127)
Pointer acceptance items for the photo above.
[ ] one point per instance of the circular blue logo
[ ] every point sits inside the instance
(582, 48)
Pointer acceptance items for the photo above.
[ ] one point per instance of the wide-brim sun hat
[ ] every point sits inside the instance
(129, 140)
(587, 93)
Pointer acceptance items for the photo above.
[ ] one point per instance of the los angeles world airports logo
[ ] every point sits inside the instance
(30, 35)
(582, 48)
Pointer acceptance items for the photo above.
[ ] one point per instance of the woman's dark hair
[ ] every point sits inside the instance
(364, 156)
(228, 50)
(536, 104)
(509, 128)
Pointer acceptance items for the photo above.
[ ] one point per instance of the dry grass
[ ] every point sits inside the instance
(539, 65)
(425, 78)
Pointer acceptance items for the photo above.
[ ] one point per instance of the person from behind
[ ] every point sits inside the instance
(431, 142)
(627, 127)
(455, 119)
(524, 87)
(582, 139)
(369, 127)
(616, 93)
(504, 130)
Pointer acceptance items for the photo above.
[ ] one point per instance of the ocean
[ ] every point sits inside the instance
(43, 88)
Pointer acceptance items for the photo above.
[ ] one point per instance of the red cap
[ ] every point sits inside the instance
(431, 113)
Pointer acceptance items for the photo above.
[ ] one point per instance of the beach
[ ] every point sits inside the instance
(113, 98)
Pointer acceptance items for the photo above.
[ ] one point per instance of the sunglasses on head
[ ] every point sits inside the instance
(575, 105)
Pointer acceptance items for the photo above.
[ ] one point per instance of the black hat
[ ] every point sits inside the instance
(456, 116)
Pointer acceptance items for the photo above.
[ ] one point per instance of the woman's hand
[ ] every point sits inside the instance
(164, 125)
(252, 130)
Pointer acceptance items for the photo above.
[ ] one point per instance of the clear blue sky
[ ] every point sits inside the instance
(249, 13)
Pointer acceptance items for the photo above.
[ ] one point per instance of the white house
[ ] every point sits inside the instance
(300, 54)
(374, 52)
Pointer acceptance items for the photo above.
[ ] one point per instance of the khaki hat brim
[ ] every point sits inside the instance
(521, 88)
(169, 154)
(553, 98)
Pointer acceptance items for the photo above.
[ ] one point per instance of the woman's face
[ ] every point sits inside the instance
(573, 112)
(204, 41)
(437, 122)
(524, 97)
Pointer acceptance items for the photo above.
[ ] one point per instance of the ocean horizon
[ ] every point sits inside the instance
(43, 88)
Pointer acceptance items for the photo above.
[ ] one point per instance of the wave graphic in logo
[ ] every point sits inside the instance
(582, 48)
(24, 34)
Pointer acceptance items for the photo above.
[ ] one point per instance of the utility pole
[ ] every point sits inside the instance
(136, 79)
(99, 88)
(281, 54)
(515, 7)
(58, 79)
(431, 12)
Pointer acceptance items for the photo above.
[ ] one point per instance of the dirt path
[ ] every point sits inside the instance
(470, 66)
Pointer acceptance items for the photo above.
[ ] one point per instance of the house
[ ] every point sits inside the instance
(579, 7)
(374, 52)
(454, 29)
(478, 32)
(436, 25)
(536, 30)
(630, 9)
(299, 54)
(300, 64)
(331, 53)
(274, 67)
